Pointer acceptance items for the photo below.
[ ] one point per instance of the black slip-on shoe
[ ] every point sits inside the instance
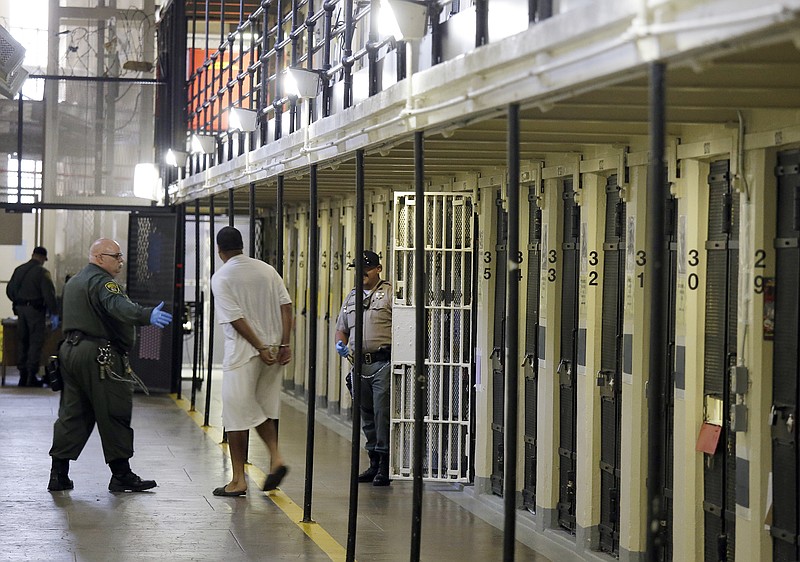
(59, 482)
(221, 491)
(274, 479)
(129, 482)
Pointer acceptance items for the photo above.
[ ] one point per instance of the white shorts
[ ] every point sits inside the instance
(251, 394)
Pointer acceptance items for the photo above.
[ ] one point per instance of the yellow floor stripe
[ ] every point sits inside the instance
(314, 531)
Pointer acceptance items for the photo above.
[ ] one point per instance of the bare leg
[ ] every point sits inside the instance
(237, 444)
(268, 432)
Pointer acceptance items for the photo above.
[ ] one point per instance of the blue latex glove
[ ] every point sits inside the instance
(160, 318)
(54, 321)
(341, 349)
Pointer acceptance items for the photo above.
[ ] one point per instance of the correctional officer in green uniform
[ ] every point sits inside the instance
(32, 294)
(99, 331)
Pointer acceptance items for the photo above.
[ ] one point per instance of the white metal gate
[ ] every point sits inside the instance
(448, 353)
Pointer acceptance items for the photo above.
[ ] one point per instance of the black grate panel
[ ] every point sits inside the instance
(786, 360)
(151, 279)
(567, 369)
(531, 355)
(498, 353)
(720, 353)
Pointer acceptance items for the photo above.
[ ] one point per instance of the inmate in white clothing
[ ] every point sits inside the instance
(251, 289)
(251, 394)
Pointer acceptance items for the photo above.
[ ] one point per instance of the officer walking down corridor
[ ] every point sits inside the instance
(99, 331)
(32, 293)
(376, 359)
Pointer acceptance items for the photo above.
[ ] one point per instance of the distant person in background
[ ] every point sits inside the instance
(32, 296)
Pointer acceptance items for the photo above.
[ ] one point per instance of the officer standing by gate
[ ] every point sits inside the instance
(375, 374)
(99, 331)
(32, 294)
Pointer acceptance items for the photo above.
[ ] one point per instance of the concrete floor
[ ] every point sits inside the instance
(182, 520)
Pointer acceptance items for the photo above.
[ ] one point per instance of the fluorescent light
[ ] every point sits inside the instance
(241, 119)
(146, 182)
(301, 83)
(405, 21)
(204, 144)
(176, 158)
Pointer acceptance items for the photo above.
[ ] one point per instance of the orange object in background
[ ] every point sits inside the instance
(206, 83)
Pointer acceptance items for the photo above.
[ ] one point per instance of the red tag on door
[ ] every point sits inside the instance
(709, 438)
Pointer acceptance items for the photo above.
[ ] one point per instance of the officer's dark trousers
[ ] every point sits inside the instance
(87, 399)
(31, 334)
(375, 391)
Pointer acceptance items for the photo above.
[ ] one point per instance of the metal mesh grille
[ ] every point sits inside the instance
(568, 389)
(786, 360)
(720, 352)
(448, 290)
(151, 279)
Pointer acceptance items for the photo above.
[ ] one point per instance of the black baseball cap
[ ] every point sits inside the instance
(371, 259)
(41, 251)
(229, 238)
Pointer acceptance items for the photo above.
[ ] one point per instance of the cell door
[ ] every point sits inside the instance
(609, 379)
(781, 299)
(498, 355)
(449, 284)
(531, 362)
(668, 437)
(720, 353)
(567, 367)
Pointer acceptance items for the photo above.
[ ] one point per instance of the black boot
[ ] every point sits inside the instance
(382, 478)
(23, 377)
(34, 381)
(129, 482)
(59, 476)
(124, 480)
(374, 464)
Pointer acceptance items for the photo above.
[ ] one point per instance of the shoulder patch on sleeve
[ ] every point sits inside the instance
(112, 287)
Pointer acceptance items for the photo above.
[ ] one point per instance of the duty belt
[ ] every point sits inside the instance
(74, 337)
(376, 356)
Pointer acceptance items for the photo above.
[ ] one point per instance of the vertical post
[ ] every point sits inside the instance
(420, 372)
(372, 50)
(294, 37)
(656, 270)
(326, 55)
(311, 48)
(211, 264)
(19, 147)
(481, 22)
(179, 298)
(263, 73)
(279, 228)
(347, 54)
(252, 215)
(231, 206)
(512, 339)
(278, 74)
(358, 349)
(313, 298)
(197, 315)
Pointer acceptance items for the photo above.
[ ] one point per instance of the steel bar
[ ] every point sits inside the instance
(211, 265)
(313, 300)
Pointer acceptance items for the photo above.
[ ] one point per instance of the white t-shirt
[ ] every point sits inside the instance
(251, 289)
